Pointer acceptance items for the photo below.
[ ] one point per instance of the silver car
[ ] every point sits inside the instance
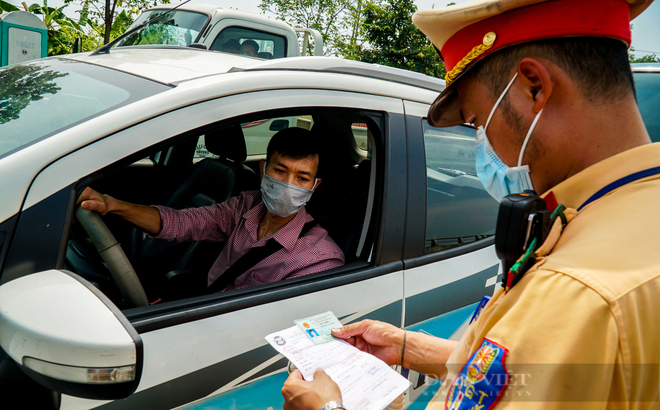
(400, 198)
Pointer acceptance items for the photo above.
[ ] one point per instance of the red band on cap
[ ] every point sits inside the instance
(552, 19)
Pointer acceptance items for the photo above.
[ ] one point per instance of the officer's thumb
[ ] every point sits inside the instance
(320, 373)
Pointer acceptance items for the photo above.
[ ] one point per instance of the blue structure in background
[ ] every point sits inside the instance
(23, 37)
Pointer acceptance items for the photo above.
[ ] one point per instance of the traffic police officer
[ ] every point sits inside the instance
(548, 86)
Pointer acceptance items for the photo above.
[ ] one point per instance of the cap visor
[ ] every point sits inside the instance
(445, 110)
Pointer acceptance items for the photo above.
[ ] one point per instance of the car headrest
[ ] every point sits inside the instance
(227, 143)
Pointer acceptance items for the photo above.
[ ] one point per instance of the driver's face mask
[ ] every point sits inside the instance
(498, 178)
(281, 198)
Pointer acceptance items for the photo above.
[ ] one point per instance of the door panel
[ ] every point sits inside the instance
(190, 361)
(449, 264)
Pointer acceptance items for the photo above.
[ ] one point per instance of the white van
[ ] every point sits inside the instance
(220, 28)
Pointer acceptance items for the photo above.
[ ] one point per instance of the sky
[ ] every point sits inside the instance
(646, 27)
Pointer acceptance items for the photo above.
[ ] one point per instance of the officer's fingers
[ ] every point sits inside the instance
(325, 386)
(354, 329)
(295, 375)
(320, 373)
(288, 390)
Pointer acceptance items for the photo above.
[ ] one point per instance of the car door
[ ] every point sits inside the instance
(211, 345)
(449, 258)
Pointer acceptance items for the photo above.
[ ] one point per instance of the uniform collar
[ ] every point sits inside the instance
(287, 235)
(576, 190)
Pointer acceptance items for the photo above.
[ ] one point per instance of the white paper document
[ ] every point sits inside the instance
(366, 382)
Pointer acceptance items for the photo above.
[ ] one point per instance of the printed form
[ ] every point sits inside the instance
(366, 382)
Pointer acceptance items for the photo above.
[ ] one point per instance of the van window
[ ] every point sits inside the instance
(269, 45)
(176, 27)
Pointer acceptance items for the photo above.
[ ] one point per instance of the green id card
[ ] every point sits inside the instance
(318, 327)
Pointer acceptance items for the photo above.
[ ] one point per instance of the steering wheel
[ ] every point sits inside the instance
(114, 257)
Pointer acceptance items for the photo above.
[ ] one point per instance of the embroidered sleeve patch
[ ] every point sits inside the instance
(482, 381)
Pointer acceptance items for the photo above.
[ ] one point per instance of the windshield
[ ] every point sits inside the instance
(178, 27)
(647, 86)
(40, 98)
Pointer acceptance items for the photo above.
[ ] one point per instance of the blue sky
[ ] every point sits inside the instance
(646, 27)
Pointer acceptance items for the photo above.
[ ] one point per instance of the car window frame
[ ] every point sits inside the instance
(282, 291)
(414, 254)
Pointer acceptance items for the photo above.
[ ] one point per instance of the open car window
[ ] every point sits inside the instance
(342, 205)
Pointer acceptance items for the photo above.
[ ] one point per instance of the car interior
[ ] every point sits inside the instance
(212, 164)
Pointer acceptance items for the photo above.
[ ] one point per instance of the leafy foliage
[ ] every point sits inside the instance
(60, 27)
(5, 6)
(23, 84)
(110, 18)
(393, 40)
(649, 58)
(374, 31)
(332, 18)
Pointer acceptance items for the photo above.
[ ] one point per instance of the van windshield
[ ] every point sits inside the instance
(178, 27)
(43, 97)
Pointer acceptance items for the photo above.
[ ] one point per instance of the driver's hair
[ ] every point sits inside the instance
(296, 143)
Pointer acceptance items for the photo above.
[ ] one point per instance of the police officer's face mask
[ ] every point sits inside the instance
(498, 178)
(281, 198)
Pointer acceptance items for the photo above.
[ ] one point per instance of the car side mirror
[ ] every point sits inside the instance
(69, 337)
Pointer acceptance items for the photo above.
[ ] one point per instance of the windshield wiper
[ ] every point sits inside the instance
(105, 49)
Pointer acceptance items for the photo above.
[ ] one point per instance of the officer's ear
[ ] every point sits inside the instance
(261, 169)
(537, 83)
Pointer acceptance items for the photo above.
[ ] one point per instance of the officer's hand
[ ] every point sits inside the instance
(91, 200)
(377, 338)
(309, 395)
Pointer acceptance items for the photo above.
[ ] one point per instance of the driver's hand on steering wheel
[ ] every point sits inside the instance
(91, 200)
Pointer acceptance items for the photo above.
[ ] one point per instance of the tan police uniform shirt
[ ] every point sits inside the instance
(582, 327)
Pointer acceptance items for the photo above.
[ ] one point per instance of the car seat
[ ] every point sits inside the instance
(214, 180)
(340, 202)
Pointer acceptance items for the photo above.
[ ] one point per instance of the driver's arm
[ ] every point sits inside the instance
(144, 217)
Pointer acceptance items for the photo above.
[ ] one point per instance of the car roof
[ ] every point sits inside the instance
(174, 65)
(645, 67)
(166, 64)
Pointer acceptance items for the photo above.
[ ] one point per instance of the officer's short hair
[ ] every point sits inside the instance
(599, 66)
(296, 143)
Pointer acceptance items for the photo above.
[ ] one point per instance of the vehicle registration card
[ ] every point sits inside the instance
(318, 327)
(366, 382)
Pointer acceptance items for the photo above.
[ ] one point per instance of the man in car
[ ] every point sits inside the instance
(550, 84)
(275, 215)
(249, 48)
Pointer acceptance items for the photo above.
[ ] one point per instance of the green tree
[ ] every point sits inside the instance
(109, 18)
(22, 84)
(393, 40)
(60, 27)
(5, 6)
(334, 19)
(649, 58)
